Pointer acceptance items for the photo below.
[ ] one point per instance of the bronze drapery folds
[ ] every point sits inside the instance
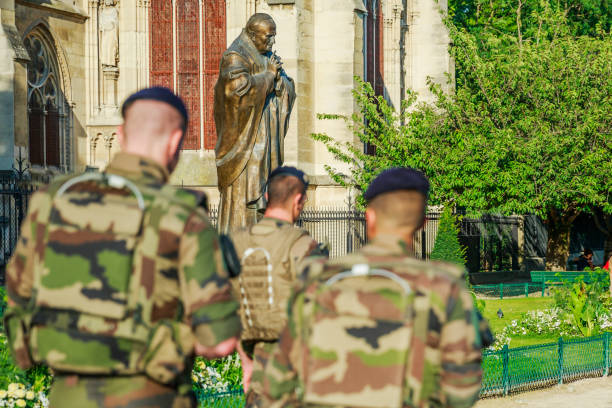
(253, 101)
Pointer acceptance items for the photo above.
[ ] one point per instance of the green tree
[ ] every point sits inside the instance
(526, 131)
(447, 247)
(583, 17)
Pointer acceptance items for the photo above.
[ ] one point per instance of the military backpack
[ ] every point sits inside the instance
(266, 278)
(90, 312)
(358, 337)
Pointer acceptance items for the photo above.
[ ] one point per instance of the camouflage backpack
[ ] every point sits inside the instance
(90, 312)
(265, 281)
(358, 337)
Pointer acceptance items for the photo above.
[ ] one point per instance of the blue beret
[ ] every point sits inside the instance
(290, 171)
(161, 94)
(397, 178)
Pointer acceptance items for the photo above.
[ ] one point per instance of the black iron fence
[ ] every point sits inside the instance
(14, 195)
(492, 242)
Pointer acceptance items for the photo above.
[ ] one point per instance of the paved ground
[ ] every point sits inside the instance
(592, 393)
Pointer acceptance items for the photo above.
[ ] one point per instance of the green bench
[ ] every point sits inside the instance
(551, 276)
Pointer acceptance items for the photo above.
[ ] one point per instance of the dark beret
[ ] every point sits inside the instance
(290, 171)
(161, 94)
(397, 178)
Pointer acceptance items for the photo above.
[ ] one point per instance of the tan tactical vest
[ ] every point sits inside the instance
(265, 282)
(91, 312)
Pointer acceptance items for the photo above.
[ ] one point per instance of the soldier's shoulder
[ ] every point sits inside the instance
(441, 272)
(293, 232)
(416, 270)
(180, 198)
(56, 183)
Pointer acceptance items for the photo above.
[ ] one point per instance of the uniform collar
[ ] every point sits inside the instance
(138, 168)
(274, 221)
(387, 245)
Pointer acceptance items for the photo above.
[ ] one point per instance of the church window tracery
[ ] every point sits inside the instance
(48, 110)
(188, 38)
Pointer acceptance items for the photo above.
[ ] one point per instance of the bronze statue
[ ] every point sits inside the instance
(253, 101)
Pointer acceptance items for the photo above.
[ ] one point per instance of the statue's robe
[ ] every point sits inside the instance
(252, 111)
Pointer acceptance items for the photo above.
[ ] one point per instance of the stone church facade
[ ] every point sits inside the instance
(67, 65)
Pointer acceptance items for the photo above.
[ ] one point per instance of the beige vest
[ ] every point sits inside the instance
(264, 285)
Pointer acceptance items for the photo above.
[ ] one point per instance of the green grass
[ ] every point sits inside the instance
(513, 309)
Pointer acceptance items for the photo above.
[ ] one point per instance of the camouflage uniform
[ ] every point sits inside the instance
(367, 341)
(263, 317)
(112, 289)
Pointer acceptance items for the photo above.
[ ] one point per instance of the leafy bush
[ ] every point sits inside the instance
(585, 303)
(20, 388)
(550, 322)
(447, 247)
(217, 375)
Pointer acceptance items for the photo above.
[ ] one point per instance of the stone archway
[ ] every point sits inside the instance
(49, 111)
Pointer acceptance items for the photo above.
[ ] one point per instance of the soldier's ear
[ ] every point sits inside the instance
(175, 141)
(370, 216)
(121, 137)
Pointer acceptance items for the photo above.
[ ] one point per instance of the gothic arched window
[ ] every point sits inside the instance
(188, 38)
(373, 38)
(48, 110)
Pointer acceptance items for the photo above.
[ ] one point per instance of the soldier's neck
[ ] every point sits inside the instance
(406, 238)
(280, 214)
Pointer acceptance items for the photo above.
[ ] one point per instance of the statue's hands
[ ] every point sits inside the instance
(275, 65)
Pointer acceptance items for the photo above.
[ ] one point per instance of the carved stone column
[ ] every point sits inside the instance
(92, 66)
(142, 27)
(13, 86)
(392, 13)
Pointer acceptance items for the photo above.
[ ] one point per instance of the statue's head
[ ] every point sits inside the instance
(109, 2)
(261, 29)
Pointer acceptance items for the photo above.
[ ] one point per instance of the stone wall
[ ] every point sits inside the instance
(321, 43)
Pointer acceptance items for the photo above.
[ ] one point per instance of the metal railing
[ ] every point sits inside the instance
(14, 195)
(531, 367)
(510, 370)
(501, 290)
(231, 398)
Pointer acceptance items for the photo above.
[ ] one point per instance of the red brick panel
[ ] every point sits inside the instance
(375, 47)
(52, 138)
(188, 67)
(161, 49)
(35, 119)
(214, 44)
(380, 51)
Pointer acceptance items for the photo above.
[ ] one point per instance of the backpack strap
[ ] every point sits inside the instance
(364, 270)
(112, 180)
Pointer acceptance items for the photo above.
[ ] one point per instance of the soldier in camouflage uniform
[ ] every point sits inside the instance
(118, 279)
(379, 328)
(271, 253)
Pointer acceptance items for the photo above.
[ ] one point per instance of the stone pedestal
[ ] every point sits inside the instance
(110, 105)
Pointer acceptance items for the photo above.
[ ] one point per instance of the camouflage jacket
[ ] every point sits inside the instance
(66, 278)
(363, 342)
(271, 253)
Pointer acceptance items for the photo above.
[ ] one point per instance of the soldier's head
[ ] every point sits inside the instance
(261, 29)
(286, 193)
(397, 200)
(154, 124)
